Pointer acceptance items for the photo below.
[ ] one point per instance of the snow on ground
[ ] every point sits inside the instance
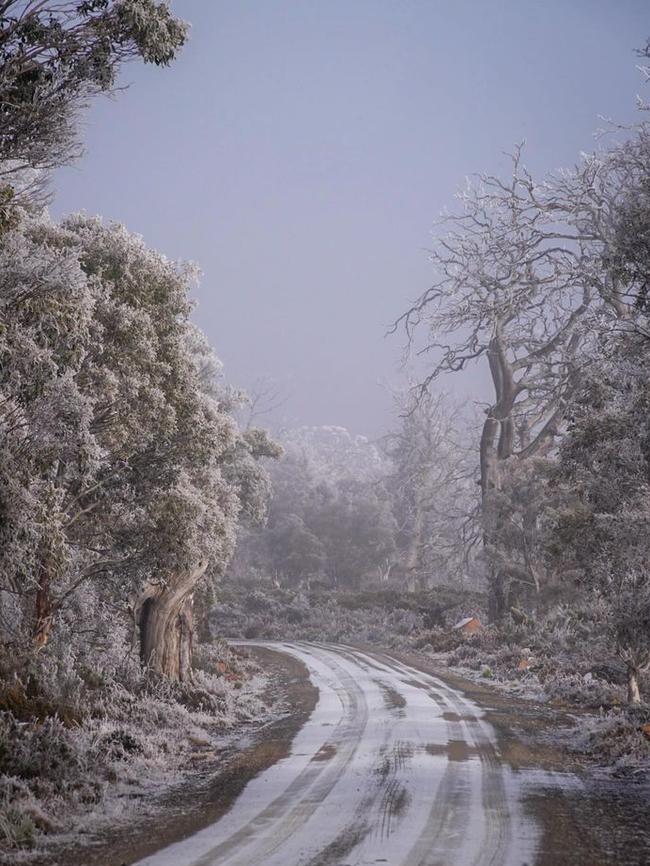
(393, 766)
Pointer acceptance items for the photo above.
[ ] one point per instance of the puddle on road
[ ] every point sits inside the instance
(454, 750)
(456, 717)
(392, 698)
(325, 753)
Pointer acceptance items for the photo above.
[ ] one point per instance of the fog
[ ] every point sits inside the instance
(345, 619)
(300, 152)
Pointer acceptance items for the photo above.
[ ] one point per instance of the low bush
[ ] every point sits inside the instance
(130, 738)
(616, 738)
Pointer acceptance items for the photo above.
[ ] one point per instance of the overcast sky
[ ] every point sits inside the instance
(300, 151)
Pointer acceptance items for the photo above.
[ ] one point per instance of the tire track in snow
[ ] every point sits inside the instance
(495, 802)
(407, 774)
(284, 816)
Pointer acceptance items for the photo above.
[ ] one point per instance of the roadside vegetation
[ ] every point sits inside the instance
(123, 471)
(89, 751)
(144, 517)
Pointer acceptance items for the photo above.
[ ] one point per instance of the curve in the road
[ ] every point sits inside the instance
(394, 766)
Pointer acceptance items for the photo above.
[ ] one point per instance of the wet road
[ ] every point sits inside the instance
(394, 766)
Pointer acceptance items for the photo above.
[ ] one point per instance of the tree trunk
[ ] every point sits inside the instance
(414, 549)
(489, 483)
(633, 693)
(497, 443)
(497, 600)
(166, 626)
(44, 616)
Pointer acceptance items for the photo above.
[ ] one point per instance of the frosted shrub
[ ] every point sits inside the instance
(38, 751)
(17, 828)
(52, 771)
(575, 688)
(403, 621)
(119, 745)
(616, 738)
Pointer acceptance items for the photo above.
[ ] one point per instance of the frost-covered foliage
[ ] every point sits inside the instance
(122, 466)
(512, 286)
(616, 738)
(123, 474)
(259, 608)
(346, 511)
(559, 657)
(54, 56)
(121, 741)
(602, 534)
(532, 278)
(329, 515)
(334, 453)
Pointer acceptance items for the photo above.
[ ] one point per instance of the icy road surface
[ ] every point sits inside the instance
(393, 767)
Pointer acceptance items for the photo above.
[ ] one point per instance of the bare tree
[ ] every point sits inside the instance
(514, 285)
(263, 397)
(432, 487)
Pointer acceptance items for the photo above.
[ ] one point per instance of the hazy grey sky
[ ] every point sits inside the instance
(300, 151)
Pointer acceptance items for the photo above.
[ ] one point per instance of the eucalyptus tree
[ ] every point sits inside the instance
(431, 484)
(124, 469)
(54, 56)
(513, 287)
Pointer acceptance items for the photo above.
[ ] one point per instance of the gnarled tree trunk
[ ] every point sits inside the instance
(633, 691)
(166, 625)
(497, 443)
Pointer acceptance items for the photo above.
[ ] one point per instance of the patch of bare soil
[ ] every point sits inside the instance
(205, 795)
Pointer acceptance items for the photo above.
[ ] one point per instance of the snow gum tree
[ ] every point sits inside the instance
(123, 468)
(513, 286)
(54, 56)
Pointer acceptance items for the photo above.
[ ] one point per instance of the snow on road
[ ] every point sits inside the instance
(393, 767)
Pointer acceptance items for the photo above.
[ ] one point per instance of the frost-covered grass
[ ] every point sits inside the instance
(617, 738)
(566, 665)
(386, 617)
(561, 659)
(118, 745)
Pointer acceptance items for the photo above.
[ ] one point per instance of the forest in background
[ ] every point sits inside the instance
(142, 517)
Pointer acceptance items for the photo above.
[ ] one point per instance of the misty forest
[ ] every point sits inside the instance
(231, 635)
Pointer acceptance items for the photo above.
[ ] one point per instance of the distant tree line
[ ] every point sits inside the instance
(347, 511)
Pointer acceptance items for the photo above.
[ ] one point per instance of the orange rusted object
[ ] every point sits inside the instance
(469, 625)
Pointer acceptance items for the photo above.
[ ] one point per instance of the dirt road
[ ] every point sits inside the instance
(394, 766)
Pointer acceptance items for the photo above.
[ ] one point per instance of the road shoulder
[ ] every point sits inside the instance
(203, 796)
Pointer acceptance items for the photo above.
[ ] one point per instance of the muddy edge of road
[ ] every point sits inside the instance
(598, 821)
(203, 797)
(523, 727)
